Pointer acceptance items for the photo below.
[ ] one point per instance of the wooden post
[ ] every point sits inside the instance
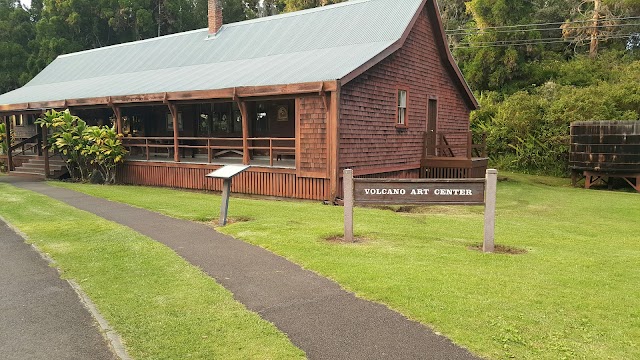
(334, 135)
(118, 113)
(271, 152)
(224, 206)
(470, 145)
(7, 123)
(45, 146)
(209, 158)
(490, 211)
(39, 131)
(176, 132)
(246, 159)
(348, 205)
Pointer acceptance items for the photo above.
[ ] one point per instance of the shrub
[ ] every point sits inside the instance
(87, 148)
(528, 131)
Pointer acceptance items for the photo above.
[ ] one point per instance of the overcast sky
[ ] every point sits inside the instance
(27, 3)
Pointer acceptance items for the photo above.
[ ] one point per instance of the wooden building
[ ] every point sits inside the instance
(365, 84)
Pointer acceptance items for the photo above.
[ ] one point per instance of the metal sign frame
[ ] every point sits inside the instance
(226, 173)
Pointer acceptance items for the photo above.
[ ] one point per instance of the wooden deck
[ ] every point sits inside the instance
(453, 168)
(453, 155)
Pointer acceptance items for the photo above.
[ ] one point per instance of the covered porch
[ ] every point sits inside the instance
(287, 133)
(258, 133)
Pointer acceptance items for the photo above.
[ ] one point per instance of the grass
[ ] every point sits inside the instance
(163, 307)
(573, 295)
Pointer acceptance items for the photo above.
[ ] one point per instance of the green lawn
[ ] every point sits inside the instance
(573, 295)
(163, 307)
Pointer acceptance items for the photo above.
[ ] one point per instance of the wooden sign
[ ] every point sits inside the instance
(422, 192)
(419, 192)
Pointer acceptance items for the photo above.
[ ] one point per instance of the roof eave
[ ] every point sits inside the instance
(228, 93)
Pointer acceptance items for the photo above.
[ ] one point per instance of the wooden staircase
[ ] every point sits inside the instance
(35, 167)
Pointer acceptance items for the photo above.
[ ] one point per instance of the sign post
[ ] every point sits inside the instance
(348, 205)
(226, 174)
(422, 192)
(488, 245)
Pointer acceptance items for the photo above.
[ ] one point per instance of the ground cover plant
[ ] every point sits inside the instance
(572, 295)
(163, 307)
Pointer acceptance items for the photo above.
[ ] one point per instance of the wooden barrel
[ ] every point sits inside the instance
(605, 146)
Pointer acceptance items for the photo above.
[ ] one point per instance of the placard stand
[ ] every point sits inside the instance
(226, 174)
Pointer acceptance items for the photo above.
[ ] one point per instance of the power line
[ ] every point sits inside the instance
(552, 29)
(518, 41)
(536, 24)
(542, 42)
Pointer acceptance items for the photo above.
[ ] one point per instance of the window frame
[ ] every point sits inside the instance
(15, 120)
(399, 89)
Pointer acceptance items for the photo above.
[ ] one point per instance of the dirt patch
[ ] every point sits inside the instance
(339, 239)
(502, 249)
(233, 220)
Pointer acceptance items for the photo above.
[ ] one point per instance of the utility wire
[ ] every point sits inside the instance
(537, 24)
(542, 42)
(551, 29)
(524, 41)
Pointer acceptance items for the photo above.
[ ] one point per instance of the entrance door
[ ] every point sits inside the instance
(432, 126)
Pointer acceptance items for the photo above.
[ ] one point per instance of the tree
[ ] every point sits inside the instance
(592, 22)
(16, 32)
(491, 57)
(295, 5)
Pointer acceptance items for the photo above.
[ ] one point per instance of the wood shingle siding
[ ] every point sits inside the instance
(312, 137)
(369, 138)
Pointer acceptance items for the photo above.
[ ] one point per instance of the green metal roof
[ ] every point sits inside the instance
(321, 44)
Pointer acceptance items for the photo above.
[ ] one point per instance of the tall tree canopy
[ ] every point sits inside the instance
(16, 32)
(487, 66)
(295, 5)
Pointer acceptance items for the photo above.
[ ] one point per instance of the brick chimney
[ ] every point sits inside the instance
(215, 16)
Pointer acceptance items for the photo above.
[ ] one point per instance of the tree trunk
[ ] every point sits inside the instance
(593, 51)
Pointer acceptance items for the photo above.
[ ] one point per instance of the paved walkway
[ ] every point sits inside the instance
(319, 317)
(41, 316)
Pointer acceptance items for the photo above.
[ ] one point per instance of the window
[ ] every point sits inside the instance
(170, 122)
(17, 120)
(402, 108)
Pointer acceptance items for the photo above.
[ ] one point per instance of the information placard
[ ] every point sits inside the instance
(226, 173)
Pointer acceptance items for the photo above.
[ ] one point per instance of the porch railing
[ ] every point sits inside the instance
(33, 143)
(214, 147)
(454, 144)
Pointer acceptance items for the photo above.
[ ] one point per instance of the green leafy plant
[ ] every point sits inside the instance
(3, 140)
(86, 148)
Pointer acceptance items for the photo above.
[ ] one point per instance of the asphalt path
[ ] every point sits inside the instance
(41, 316)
